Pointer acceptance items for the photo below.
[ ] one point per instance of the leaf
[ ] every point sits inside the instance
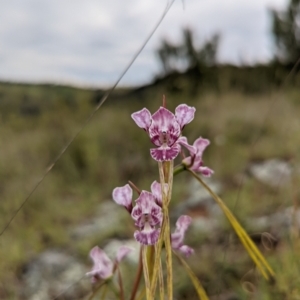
(251, 248)
(199, 288)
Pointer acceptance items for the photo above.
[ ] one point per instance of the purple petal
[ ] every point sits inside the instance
(184, 114)
(136, 215)
(177, 237)
(146, 201)
(156, 216)
(142, 118)
(183, 223)
(200, 145)
(205, 171)
(156, 191)
(186, 250)
(147, 237)
(102, 267)
(164, 128)
(187, 162)
(146, 210)
(183, 142)
(165, 153)
(123, 196)
(123, 252)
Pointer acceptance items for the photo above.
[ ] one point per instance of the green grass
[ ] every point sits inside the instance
(112, 149)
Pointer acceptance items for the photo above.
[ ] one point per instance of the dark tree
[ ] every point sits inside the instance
(186, 55)
(286, 31)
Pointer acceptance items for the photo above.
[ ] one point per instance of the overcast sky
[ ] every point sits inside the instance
(89, 42)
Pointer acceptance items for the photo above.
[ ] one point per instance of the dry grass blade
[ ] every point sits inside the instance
(168, 256)
(251, 248)
(161, 283)
(199, 288)
(168, 167)
(146, 273)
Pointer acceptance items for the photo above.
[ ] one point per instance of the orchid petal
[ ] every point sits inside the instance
(146, 201)
(183, 142)
(156, 191)
(183, 223)
(123, 252)
(177, 237)
(186, 250)
(164, 128)
(184, 114)
(146, 211)
(147, 237)
(200, 145)
(165, 153)
(142, 118)
(102, 267)
(123, 196)
(205, 171)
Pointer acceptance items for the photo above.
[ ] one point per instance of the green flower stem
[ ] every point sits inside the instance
(178, 169)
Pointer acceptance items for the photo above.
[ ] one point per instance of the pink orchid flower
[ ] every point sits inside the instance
(164, 129)
(194, 161)
(147, 212)
(177, 237)
(103, 267)
(147, 215)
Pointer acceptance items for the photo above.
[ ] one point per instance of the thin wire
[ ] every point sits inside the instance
(104, 98)
(71, 285)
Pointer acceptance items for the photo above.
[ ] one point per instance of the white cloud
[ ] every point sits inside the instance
(91, 41)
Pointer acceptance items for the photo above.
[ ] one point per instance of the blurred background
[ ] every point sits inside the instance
(235, 61)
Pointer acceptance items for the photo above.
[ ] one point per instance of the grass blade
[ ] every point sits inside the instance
(197, 284)
(249, 245)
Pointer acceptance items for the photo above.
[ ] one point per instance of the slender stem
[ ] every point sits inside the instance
(138, 276)
(168, 178)
(159, 243)
(134, 187)
(168, 256)
(104, 292)
(150, 260)
(158, 248)
(146, 273)
(178, 169)
(120, 281)
(95, 291)
(161, 282)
